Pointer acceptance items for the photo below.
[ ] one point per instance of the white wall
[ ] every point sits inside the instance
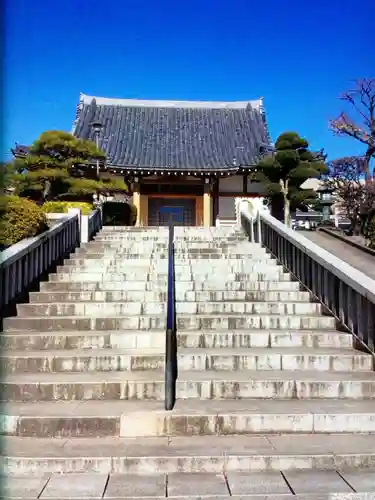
(232, 184)
(255, 188)
(227, 208)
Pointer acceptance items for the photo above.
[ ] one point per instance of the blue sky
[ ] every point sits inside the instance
(298, 55)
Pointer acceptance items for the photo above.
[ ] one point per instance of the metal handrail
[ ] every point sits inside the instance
(171, 330)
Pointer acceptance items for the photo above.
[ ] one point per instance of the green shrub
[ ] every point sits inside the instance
(117, 213)
(61, 207)
(19, 218)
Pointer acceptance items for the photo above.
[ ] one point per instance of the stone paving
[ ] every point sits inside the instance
(287, 485)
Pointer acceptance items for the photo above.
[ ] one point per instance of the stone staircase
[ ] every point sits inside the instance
(271, 398)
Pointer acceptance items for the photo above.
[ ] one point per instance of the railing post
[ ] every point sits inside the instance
(170, 334)
(252, 230)
(259, 228)
(82, 222)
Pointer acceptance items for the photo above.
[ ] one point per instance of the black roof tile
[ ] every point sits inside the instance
(175, 135)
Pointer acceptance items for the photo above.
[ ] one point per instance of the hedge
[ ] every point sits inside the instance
(117, 213)
(19, 218)
(61, 207)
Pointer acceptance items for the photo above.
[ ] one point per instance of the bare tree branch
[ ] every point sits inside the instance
(362, 100)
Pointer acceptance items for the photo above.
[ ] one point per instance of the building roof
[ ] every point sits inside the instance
(175, 135)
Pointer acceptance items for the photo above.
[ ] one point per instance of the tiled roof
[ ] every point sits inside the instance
(177, 135)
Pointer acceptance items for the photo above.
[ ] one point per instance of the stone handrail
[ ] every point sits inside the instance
(94, 223)
(346, 292)
(24, 264)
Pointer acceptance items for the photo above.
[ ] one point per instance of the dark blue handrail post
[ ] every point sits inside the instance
(171, 331)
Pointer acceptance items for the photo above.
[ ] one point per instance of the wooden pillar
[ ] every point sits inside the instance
(207, 206)
(137, 202)
(143, 210)
(215, 201)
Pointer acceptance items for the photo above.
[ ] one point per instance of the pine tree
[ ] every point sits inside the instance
(284, 171)
(58, 167)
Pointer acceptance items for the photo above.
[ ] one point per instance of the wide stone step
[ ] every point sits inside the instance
(100, 296)
(72, 419)
(214, 454)
(63, 323)
(159, 296)
(181, 269)
(106, 261)
(181, 287)
(101, 309)
(240, 359)
(78, 275)
(157, 321)
(131, 254)
(108, 309)
(218, 385)
(121, 260)
(115, 247)
(156, 339)
(111, 286)
(101, 360)
(247, 307)
(134, 252)
(252, 321)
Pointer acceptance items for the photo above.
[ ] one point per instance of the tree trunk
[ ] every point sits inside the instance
(277, 207)
(284, 188)
(287, 220)
(46, 190)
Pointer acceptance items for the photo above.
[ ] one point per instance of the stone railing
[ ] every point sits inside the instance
(94, 223)
(25, 264)
(347, 293)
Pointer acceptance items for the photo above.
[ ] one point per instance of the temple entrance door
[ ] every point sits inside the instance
(171, 216)
(170, 211)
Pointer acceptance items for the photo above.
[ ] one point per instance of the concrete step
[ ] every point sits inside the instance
(159, 296)
(157, 321)
(201, 359)
(121, 260)
(78, 275)
(215, 454)
(114, 247)
(161, 265)
(99, 296)
(252, 321)
(108, 309)
(193, 339)
(136, 251)
(70, 419)
(181, 286)
(100, 360)
(63, 323)
(217, 385)
(111, 286)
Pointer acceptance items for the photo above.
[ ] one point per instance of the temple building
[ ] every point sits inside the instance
(186, 162)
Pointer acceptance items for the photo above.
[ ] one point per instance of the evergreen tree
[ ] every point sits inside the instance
(58, 167)
(284, 171)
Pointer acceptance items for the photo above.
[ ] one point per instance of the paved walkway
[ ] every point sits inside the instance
(360, 260)
(288, 485)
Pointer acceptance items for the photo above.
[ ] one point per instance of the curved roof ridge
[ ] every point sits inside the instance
(159, 103)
